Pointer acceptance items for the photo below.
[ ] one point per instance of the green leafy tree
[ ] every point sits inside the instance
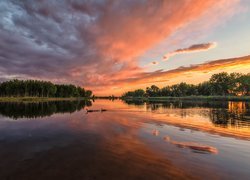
(204, 89)
(139, 93)
(220, 83)
(35, 88)
(88, 93)
(153, 91)
(166, 91)
(244, 84)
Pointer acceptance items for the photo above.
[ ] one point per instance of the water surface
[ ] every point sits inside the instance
(132, 140)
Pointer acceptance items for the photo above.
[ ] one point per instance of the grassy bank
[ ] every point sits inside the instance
(191, 98)
(38, 99)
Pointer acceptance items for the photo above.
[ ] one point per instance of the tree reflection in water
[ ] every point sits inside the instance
(236, 114)
(223, 114)
(17, 110)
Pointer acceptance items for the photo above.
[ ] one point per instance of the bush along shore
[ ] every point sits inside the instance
(34, 90)
(221, 86)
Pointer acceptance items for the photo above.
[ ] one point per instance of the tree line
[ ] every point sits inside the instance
(221, 84)
(36, 88)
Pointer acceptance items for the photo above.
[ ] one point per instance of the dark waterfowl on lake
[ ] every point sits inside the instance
(95, 110)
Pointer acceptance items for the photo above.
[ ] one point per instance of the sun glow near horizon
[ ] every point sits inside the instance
(193, 75)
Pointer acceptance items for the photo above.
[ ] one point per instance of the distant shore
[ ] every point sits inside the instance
(190, 98)
(40, 99)
(150, 99)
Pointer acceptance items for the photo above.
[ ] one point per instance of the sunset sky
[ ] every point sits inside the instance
(119, 45)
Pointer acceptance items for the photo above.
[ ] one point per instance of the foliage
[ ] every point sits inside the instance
(221, 84)
(136, 93)
(35, 88)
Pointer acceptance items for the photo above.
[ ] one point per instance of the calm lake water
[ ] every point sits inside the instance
(131, 140)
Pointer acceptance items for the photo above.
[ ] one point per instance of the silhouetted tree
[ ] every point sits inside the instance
(34, 88)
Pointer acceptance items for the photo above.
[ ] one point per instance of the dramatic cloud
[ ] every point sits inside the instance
(190, 49)
(90, 43)
(191, 74)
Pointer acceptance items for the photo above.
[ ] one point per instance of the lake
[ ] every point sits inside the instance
(131, 140)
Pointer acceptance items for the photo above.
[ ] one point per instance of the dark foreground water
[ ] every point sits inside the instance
(132, 140)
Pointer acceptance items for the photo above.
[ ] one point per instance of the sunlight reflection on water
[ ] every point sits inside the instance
(129, 140)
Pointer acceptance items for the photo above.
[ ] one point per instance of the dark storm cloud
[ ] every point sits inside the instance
(40, 38)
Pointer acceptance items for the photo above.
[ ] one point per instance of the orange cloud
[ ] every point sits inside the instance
(191, 49)
(190, 74)
(137, 28)
(133, 34)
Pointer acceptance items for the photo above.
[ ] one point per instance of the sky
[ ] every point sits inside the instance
(113, 46)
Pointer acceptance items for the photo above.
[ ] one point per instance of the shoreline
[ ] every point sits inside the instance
(146, 99)
(41, 99)
(189, 98)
